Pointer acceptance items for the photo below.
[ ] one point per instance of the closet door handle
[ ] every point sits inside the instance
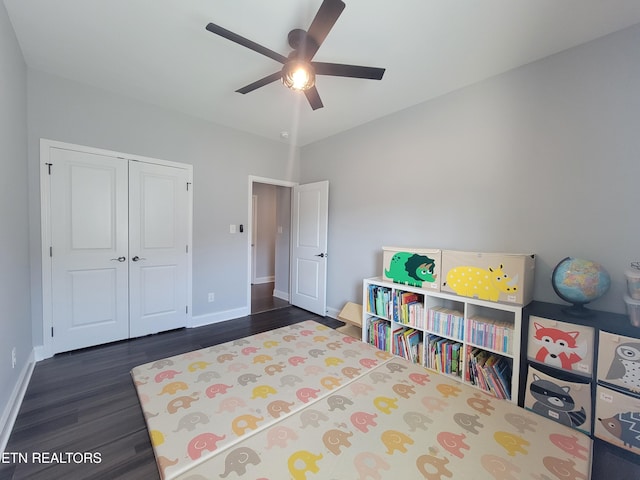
(137, 258)
(119, 259)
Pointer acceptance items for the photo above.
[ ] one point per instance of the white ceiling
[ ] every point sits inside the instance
(158, 51)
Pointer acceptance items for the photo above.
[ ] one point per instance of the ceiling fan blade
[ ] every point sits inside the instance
(314, 98)
(260, 83)
(354, 71)
(322, 24)
(245, 42)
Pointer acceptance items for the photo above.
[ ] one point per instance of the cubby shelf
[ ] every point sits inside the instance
(475, 341)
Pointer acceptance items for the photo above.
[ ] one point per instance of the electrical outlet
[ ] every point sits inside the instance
(13, 357)
(211, 297)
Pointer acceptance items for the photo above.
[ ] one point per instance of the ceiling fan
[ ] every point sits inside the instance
(299, 71)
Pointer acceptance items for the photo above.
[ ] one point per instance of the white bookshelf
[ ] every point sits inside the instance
(496, 334)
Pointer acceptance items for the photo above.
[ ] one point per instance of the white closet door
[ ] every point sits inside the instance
(89, 259)
(158, 238)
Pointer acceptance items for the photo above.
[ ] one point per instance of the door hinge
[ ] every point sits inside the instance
(186, 309)
(52, 331)
(51, 251)
(49, 167)
(188, 184)
(186, 248)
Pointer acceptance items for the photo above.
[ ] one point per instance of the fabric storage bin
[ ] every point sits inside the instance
(566, 346)
(618, 418)
(566, 401)
(417, 267)
(619, 361)
(496, 277)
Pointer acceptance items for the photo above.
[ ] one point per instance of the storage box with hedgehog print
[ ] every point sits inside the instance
(495, 277)
(618, 418)
(417, 267)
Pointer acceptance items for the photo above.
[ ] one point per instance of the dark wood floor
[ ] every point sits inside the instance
(84, 401)
(262, 299)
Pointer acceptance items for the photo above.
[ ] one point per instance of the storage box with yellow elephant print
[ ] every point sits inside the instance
(416, 267)
(495, 277)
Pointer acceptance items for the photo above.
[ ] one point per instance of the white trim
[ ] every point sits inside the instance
(333, 313)
(270, 278)
(45, 351)
(217, 317)
(281, 295)
(15, 401)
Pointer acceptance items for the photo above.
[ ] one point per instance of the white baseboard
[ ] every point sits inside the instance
(281, 294)
(332, 312)
(268, 279)
(15, 401)
(211, 318)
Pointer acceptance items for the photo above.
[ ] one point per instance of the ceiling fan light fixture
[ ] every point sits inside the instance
(298, 75)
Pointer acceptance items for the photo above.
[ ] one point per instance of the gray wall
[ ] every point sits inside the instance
(15, 323)
(542, 159)
(222, 161)
(283, 243)
(265, 232)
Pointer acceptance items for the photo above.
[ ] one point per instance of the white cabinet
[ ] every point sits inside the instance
(474, 341)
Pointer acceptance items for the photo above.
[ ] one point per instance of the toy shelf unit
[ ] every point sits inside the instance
(474, 341)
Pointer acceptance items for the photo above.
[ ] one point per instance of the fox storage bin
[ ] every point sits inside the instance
(566, 346)
(417, 267)
(496, 277)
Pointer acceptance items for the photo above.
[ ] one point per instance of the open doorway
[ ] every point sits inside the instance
(269, 248)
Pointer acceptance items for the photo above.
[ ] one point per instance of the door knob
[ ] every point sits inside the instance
(137, 258)
(119, 259)
(322, 255)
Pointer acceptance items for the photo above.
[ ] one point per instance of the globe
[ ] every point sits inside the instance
(579, 281)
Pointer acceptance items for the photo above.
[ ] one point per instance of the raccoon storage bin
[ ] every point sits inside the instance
(566, 401)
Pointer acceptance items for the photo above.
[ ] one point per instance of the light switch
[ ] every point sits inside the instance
(232, 228)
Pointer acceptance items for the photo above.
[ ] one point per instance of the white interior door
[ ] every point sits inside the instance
(89, 257)
(309, 246)
(158, 246)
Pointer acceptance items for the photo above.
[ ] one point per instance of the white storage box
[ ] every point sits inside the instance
(633, 309)
(497, 277)
(417, 267)
(633, 282)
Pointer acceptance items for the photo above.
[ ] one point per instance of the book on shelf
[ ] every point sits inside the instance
(445, 321)
(489, 372)
(408, 308)
(379, 301)
(491, 333)
(406, 343)
(443, 355)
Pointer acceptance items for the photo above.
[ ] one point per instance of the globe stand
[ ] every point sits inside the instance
(578, 310)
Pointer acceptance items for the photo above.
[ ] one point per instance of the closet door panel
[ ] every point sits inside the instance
(89, 269)
(158, 236)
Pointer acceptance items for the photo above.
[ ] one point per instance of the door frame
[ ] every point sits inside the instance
(269, 181)
(45, 227)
